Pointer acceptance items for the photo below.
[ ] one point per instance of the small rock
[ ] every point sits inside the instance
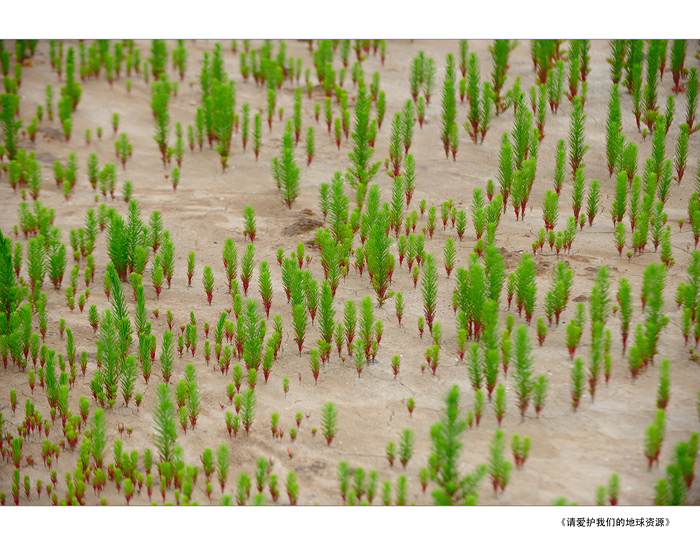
(311, 494)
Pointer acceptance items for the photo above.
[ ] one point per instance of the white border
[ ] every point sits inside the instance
(351, 19)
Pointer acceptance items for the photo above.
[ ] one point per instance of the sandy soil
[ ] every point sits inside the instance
(572, 452)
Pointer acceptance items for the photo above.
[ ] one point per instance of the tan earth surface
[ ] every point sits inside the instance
(572, 452)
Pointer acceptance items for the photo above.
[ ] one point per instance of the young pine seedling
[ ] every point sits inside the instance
(429, 290)
(343, 474)
(399, 303)
(578, 378)
(499, 467)
(479, 403)
(395, 364)
(292, 487)
(654, 437)
(257, 135)
(450, 255)
(522, 362)
(521, 449)
(664, 388)
(310, 145)
(613, 489)
(541, 330)
(540, 393)
(208, 282)
(406, 446)
(329, 422)
(577, 147)
(247, 266)
(123, 149)
(190, 267)
(249, 230)
(314, 362)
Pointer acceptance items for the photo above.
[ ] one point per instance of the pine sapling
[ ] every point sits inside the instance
(257, 135)
(450, 253)
(343, 474)
(521, 449)
(329, 422)
(300, 318)
(360, 358)
(390, 452)
(190, 267)
(678, 51)
(432, 220)
(613, 489)
(249, 230)
(681, 156)
(208, 282)
(596, 356)
(578, 192)
(593, 201)
(654, 437)
(315, 363)
(691, 100)
(10, 125)
(248, 407)
(499, 467)
(499, 403)
(406, 446)
(666, 253)
(577, 382)
(522, 363)
(429, 289)
(550, 209)
(399, 303)
(664, 388)
(448, 109)
(541, 330)
(577, 147)
(310, 144)
(479, 403)
(222, 465)
(247, 266)
(265, 283)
